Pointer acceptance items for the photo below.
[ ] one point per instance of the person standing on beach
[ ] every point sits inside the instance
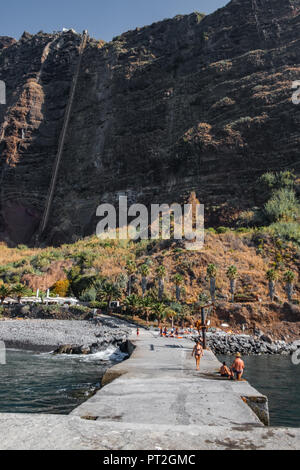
(198, 353)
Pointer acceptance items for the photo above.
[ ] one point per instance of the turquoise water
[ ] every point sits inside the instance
(42, 383)
(279, 379)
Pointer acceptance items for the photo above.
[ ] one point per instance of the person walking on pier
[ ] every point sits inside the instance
(198, 353)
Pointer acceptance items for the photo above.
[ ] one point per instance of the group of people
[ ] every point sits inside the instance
(174, 332)
(235, 372)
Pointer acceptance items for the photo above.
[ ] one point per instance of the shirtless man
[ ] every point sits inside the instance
(198, 353)
(238, 367)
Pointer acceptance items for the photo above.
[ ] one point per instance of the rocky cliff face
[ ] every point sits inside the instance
(194, 103)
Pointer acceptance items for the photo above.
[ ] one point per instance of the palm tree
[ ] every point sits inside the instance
(178, 280)
(232, 274)
(159, 309)
(133, 302)
(161, 272)
(212, 274)
(131, 270)
(289, 278)
(147, 305)
(272, 277)
(170, 313)
(18, 291)
(5, 291)
(109, 292)
(145, 270)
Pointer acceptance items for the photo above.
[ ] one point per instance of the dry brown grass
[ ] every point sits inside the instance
(222, 250)
(12, 255)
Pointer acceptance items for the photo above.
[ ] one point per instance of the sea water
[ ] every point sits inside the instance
(279, 379)
(44, 383)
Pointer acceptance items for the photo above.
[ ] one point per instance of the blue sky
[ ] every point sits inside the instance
(103, 18)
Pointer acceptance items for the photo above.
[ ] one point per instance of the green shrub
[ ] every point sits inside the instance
(283, 205)
(40, 262)
(223, 230)
(270, 181)
(22, 247)
(80, 310)
(89, 295)
(98, 305)
(287, 231)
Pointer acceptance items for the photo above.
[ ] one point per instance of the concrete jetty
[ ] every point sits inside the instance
(156, 400)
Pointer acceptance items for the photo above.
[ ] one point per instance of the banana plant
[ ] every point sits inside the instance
(289, 278)
(232, 274)
(212, 274)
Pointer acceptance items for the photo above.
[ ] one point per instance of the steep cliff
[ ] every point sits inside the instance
(194, 103)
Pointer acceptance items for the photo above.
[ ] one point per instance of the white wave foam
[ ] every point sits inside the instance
(110, 354)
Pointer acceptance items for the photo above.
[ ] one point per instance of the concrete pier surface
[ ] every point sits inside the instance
(156, 400)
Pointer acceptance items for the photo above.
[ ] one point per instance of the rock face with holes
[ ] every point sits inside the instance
(195, 103)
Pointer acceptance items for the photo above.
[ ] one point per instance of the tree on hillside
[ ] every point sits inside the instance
(61, 288)
(131, 270)
(18, 291)
(289, 278)
(133, 303)
(144, 270)
(272, 277)
(5, 292)
(171, 315)
(147, 305)
(161, 272)
(232, 274)
(85, 260)
(178, 280)
(159, 310)
(108, 293)
(212, 274)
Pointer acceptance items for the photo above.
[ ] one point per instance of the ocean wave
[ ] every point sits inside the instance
(111, 353)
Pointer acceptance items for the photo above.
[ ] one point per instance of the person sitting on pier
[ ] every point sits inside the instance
(238, 367)
(225, 371)
(198, 353)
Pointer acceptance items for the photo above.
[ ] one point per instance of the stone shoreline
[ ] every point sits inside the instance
(249, 345)
(49, 335)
